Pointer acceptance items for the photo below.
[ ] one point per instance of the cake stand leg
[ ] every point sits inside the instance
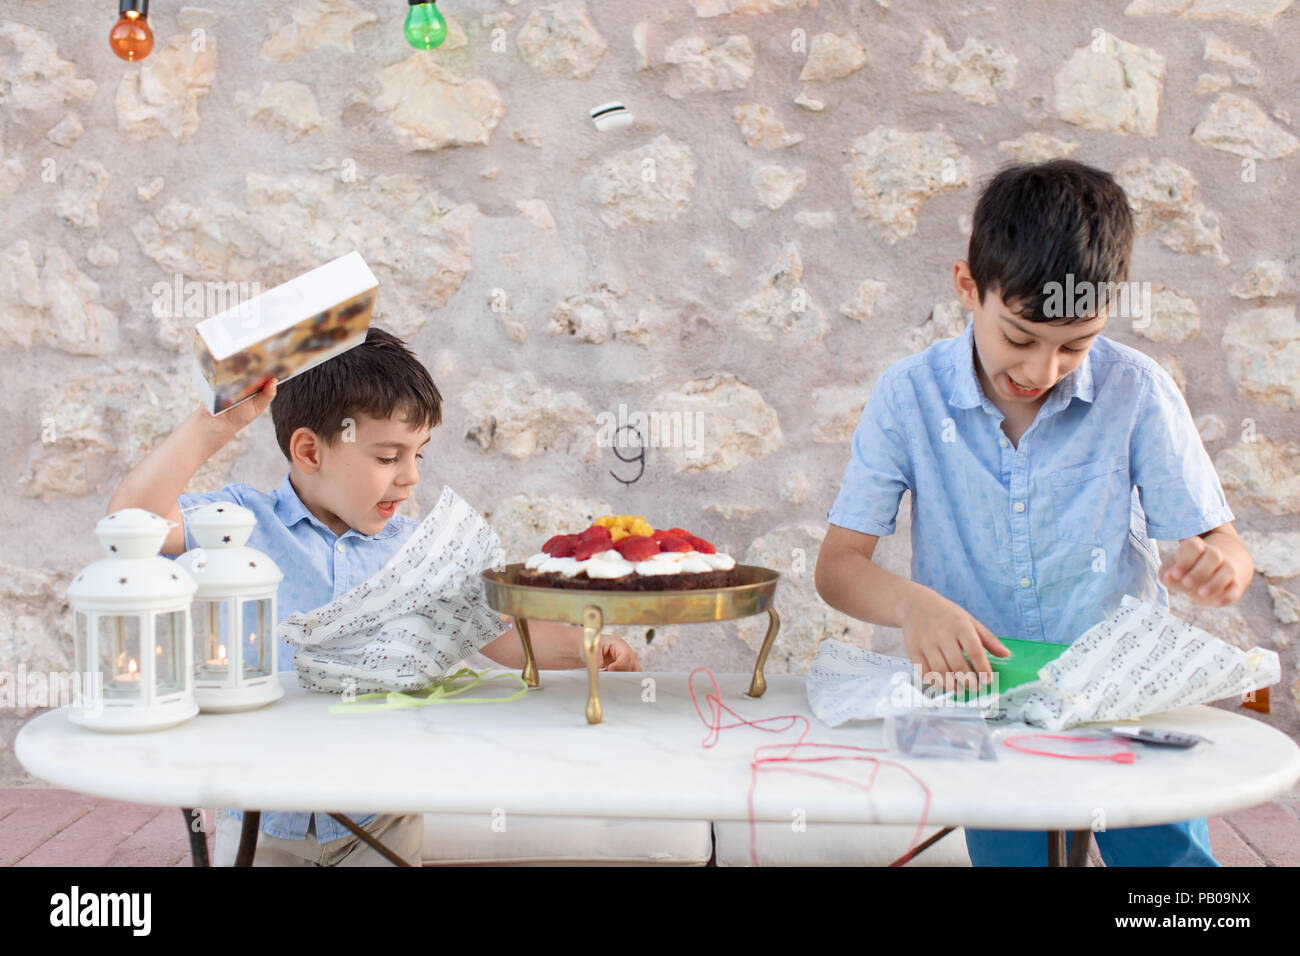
(591, 625)
(758, 685)
(530, 663)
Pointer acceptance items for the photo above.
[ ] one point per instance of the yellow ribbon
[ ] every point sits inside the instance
(441, 691)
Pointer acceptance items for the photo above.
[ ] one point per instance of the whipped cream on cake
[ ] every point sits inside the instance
(617, 550)
(611, 564)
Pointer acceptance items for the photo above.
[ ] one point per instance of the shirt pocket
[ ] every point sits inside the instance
(1092, 500)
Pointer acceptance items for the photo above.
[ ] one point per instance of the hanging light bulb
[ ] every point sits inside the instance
(425, 27)
(131, 38)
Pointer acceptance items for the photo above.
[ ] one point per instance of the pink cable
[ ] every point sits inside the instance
(761, 762)
(1119, 756)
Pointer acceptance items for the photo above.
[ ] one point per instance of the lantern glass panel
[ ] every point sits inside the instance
(211, 623)
(81, 636)
(257, 635)
(169, 631)
(119, 655)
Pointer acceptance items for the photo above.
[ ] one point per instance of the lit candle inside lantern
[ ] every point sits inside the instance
(132, 672)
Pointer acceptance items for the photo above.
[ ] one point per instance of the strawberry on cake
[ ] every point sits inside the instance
(624, 553)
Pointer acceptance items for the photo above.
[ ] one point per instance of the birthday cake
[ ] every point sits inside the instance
(624, 553)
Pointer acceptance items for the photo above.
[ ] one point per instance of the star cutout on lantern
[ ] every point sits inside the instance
(252, 564)
(225, 539)
(112, 547)
(121, 580)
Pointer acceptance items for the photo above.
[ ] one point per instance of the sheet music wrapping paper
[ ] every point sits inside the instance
(1141, 660)
(849, 683)
(404, 626)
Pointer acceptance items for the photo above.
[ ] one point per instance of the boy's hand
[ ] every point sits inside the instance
(1210, 570)
(936, 631)
(617, 655)
(232, 420)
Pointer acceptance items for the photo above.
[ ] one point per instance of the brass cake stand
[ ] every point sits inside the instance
(592, 610)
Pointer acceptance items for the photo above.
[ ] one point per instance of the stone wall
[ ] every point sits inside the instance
(776, 228)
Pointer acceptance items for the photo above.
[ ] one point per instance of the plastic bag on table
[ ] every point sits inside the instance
(951, 735)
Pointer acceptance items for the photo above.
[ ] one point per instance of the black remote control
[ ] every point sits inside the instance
(1161, 738)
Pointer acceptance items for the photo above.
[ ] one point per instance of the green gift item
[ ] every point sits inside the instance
(1026, 660)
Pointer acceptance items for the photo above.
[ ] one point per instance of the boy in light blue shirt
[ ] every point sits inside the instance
(352, 430)
(1042, 459)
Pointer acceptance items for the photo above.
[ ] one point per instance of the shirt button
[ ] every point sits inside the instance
(1003, 442)
(1019, 506)
(1025, 582)
(339, 546)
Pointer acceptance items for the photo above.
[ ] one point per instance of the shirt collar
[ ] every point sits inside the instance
(290, 510)
(966, 391)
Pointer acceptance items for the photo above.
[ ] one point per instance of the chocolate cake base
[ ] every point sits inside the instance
(685, 581)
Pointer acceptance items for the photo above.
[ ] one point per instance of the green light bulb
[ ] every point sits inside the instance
(425, 28)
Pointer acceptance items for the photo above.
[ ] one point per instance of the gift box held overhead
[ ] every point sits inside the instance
(291, 328)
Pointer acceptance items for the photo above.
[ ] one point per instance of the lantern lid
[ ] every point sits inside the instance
(132, 533)
(222, 563)
(230, 572)
(129, 585)
(220, 524)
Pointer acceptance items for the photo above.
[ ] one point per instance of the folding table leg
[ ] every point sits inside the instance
(198, 840)
(1079, 847)
(923, 846)
(366, 837)
(1056, 848)
(248, 838)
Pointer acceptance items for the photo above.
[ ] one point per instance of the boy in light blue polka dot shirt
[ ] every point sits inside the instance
(352, 429)
(1042, 459)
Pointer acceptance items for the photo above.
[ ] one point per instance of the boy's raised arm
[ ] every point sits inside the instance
(160, 477)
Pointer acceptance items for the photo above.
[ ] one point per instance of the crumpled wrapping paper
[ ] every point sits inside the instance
(849, 683)
(1141, 660)
(406, 625)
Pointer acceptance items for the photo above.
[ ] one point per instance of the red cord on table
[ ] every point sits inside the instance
(1119, 756)
(762, 762)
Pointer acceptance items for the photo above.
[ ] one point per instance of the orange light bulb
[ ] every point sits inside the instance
(131, 38)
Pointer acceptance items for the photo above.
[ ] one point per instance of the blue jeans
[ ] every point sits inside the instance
(1170, 844)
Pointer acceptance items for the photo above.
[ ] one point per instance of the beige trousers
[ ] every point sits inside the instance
(403, 834)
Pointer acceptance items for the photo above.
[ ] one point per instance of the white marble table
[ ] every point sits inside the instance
(539, 756)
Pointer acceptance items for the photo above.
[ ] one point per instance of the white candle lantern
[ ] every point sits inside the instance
(131, 626)
(234, 611)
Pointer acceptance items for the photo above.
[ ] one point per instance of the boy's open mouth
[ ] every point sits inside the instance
(1021, 391)
(386, 508)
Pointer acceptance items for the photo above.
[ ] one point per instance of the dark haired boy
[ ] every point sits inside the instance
(1042, 459)
(352, 429)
